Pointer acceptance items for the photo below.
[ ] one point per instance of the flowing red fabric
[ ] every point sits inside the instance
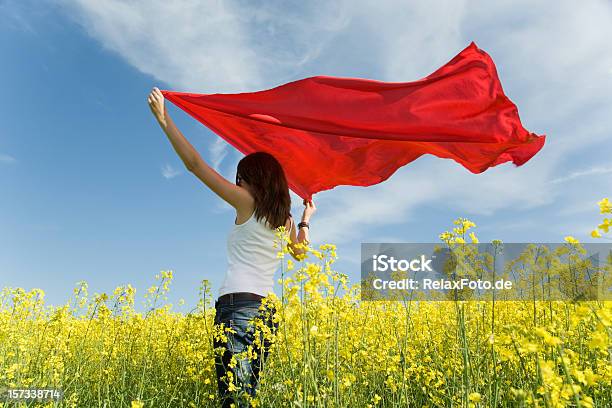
(329, 131)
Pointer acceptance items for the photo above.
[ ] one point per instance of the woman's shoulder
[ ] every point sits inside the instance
(243, 214)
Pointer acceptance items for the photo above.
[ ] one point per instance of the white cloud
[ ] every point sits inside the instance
(578, 229)
(596, 170)
(197, 46)
(5, 158)
(211, 46)
(169, 172)
(218, 151)
(513, 225)
(586, 206)
(412, 40)
(350, 214)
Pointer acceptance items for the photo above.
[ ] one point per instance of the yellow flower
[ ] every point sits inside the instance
(137, 404)
(590, 377)
(473, 238)
(605, 316)
(231, 387)
(530, 347)
(599, 340)
(467, 224)
(552, 340)
(541, 332)
(595, 234)
(586, 402)
(475, 397)
(548, 372)
(445, 236)
(571, 240)
(605, 206)
(518, 393)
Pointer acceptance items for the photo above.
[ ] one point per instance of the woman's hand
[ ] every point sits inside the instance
(158, 108)
(309, 210)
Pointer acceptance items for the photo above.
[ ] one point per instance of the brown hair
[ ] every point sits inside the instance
(268, 183)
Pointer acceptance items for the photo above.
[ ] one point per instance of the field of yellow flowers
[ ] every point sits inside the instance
(331, 349)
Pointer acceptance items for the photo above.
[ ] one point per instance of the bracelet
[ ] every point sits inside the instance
(303, 224)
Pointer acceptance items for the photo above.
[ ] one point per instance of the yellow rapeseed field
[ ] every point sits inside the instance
(331, 349)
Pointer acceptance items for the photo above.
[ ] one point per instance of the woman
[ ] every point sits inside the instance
(262, 202)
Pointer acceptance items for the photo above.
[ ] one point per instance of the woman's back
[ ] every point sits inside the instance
(252, 258)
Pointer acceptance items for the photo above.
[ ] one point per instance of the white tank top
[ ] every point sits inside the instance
(251, 257)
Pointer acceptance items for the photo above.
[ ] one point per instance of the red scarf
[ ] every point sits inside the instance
(329, 131)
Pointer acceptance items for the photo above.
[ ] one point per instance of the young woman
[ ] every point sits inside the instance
(262, 202)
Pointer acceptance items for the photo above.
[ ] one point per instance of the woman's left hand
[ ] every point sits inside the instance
(158, 108)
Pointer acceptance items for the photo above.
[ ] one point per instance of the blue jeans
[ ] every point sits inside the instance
(239, 316)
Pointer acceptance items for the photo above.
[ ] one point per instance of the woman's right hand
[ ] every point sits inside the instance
(309, 210)
(157, 106)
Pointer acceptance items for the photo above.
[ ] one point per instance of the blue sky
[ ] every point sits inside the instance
(91, 189)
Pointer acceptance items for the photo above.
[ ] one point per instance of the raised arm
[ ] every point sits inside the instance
(235, 195)
(301, 235)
